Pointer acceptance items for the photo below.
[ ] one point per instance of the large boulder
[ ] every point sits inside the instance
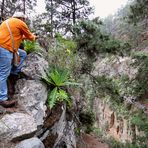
(60, 129)
(32, 97)
(35, 66)
(31, 94)
(31, 143)
(32, 116)
(17, 125)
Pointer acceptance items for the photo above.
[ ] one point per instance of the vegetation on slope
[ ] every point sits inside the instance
(74, 44)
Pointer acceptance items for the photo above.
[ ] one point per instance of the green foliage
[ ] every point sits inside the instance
(92, 41)
(87, 118)
(52, 98)
(119, 27)
(141, 62)
(140, 120)
(113, 92)
(31, 46)
(107, 86)
(140, 55)
(116, 47)
(63, 14)
(62, 54)
(138, 11)
(66, 43)
(87, 66)
(57, 79)
(115, 144)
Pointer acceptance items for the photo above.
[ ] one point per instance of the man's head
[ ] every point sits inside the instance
(19, 15)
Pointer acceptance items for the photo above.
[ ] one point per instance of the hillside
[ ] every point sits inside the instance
(84, 82)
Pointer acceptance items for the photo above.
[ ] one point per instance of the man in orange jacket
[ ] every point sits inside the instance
(19, 31)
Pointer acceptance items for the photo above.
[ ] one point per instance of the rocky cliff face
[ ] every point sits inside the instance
(120, 129)
(34, 122)
(116, 120)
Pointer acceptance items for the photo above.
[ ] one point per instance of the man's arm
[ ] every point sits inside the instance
(26, 32)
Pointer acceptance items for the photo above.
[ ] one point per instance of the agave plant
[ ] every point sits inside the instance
(31, 46)
(58, 79)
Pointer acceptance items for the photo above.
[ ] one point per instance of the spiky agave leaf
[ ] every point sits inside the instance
(71, 83)
(52, 97)
(59, 76)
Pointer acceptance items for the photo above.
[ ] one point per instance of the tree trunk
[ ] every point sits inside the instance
(51, 18)
(2, 10)
(73, 11)
(24, 4)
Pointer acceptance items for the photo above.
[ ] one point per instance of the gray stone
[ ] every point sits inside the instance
(65, 131)
(35, 66)
(13, 126)
(114, 67)
(31, 143)
(31, 97)
(2, 110)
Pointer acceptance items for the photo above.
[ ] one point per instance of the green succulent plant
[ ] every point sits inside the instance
(31, 46)
(57, 80)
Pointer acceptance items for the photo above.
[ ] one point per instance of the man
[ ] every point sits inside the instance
(19, 31)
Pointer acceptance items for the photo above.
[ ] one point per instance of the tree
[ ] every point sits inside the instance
(122, 27)
(42, 25)
(92, 41)
(64, 13)
(2, 9)
(138, 11)
(8, 7)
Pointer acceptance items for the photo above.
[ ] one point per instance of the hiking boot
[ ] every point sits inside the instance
(8, 103)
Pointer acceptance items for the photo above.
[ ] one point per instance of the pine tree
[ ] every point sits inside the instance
(8, 7)
(139, 11)
(64, 13)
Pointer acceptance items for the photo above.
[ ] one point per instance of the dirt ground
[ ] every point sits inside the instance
(90, 141)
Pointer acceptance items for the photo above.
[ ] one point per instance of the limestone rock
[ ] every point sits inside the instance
(60, 129)
(35, 66)
(65, 131)
(31, 97)
(114, 67)
(31, 143)
(16, 125)
(107, 120)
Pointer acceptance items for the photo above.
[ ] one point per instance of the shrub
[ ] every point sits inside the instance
(62, 54)
(57, 79)
(92, 41)
(31, 46)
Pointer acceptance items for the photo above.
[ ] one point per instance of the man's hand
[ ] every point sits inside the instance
(35, 35)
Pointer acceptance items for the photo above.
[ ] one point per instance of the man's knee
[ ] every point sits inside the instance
(22, 53)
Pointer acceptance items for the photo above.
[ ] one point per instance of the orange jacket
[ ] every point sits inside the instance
(19, 31)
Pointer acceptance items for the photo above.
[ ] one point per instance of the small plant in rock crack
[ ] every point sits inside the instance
(31, 46)
(57, 80)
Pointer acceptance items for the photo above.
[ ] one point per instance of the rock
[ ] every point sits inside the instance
(62, 131)
(109, 122)
(65, 131)
(2, 110)
(35, 66)
(114, 67)
(17, 125)
(32, 96)
(30, 143)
